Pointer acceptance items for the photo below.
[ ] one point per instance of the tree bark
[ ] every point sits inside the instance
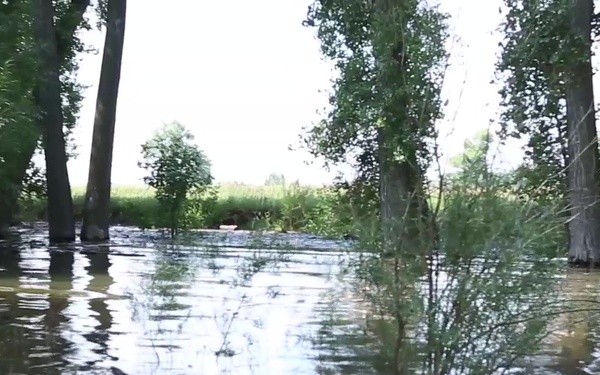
(11, 188)
(405, 215)
(96, 214)
(584, 226)
(60, 202)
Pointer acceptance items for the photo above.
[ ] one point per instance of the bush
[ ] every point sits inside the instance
(177, 170)
(478, 303)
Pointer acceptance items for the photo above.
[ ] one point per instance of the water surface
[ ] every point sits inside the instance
(215, 303)
(147, 306)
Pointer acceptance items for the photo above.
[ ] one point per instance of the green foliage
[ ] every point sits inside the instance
(17, 110)
(19, 130)
(177, 169)
(198, 205)
(391, 62)
(475, 152)
(457, 307)
(473, 157)
(483, 213)
(478, 303)
(532, 65)
(331, 216)
(324, 211)
(476, 156)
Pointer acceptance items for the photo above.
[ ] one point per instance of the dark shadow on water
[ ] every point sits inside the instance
(56, 321)
(13, 341)
(9, 261)
(33, 299)
(101, 280)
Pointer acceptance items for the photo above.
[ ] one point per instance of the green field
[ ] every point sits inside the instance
(247, 206)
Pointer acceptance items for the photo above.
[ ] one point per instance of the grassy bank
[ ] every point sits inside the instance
(247, 206)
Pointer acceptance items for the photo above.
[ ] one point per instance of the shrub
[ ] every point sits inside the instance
(478, 303)
(177, 170)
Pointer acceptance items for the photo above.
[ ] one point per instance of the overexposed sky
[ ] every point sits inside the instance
(245, 77)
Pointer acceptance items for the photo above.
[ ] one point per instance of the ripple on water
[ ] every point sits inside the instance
(147, 306)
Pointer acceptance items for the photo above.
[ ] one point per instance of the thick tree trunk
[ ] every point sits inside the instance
(405, 214)
(96, 214)
(60, 202)
(584, 227)
(19, 161)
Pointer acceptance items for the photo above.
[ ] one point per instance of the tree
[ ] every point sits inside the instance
(275, 179)
(20, 135)
(60, 202)
(531, 67)
(96, 214)
(18, 118)
(475, 150)
(385, 101)
(391, 60)
(177, 168)
(472, 162)
(548, 97)
(584, 182)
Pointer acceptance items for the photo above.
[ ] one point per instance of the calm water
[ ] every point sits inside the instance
(225, 305)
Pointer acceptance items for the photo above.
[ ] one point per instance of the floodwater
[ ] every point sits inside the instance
(217, 303)
(146, 306)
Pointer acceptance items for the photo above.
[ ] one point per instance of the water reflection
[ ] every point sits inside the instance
(347, 343)
(576, 338)
(146, 306)
(12, 336)
(99, 283)
(56, 321)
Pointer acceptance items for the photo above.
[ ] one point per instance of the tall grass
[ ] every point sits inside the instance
(274, 207)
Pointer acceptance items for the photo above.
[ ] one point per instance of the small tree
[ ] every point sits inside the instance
(177, 168)
(475, 152)
(275, 179)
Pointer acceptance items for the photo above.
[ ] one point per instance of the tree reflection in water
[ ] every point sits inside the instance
(101, 280)
(56, 321)
(12, 337)
(33, 298)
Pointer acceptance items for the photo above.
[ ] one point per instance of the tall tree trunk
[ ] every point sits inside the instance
(405, 214)
(60, 202)
(96, 214)
(584, 227)
(396, 195)
(10, 189)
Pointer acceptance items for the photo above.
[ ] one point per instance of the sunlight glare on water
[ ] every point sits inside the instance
(216, 303)
(159, 309)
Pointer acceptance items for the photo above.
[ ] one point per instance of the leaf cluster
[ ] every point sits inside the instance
(536, 51)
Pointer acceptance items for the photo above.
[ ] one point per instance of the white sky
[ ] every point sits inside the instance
(245, 77)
